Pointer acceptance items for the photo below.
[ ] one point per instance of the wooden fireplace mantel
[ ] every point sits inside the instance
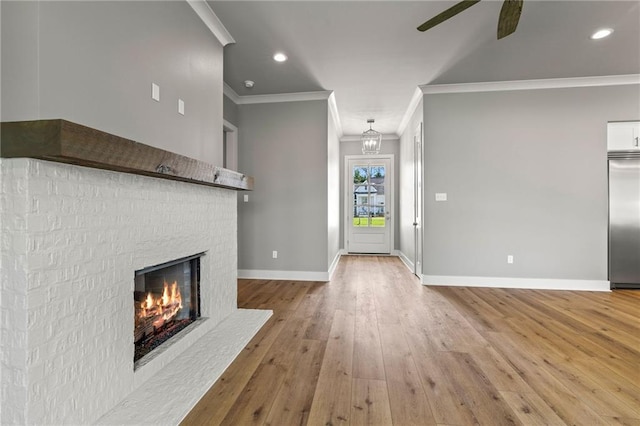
(66, 142)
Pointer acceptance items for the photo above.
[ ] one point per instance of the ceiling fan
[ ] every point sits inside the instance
(507, 23)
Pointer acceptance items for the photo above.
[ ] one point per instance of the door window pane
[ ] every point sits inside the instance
(361, 216)
(360, 174)
(369, 208)
(377, 174)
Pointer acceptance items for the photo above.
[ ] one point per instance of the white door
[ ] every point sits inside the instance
(417, 187)
(369, 192)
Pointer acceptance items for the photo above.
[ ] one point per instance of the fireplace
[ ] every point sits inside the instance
(75, 238)
(166, 300)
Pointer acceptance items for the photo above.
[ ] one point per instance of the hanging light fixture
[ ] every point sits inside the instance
(371, 140)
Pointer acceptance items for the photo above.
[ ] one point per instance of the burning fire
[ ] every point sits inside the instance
(164, 308)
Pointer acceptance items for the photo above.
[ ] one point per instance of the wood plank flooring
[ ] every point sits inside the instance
(374, 347)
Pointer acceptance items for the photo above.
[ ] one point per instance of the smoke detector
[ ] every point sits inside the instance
(248, 84)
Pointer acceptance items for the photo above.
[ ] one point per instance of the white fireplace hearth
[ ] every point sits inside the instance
(72, 239)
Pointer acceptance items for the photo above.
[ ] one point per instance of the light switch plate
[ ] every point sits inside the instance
(441, 196)
(180, 106)
(246, 198)
(155, 92)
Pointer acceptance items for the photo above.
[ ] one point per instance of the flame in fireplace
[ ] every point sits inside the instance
(148, 302)
(161, 309)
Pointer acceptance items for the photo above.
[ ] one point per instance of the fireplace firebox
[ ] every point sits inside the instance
(166, 300)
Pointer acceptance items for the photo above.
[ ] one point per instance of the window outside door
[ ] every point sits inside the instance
(369, 191)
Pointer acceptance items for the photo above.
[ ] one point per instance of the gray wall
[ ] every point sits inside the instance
(284, 147)
(526, 174)
(93, 63)
(19, 51)
(407, 182)
(230, 111)
(355, 148)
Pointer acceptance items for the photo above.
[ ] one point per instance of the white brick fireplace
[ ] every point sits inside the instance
(72, 238)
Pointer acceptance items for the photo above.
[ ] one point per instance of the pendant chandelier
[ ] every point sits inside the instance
(371, 140)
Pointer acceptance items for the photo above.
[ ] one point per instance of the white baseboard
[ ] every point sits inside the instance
(257, 274)
(334, 265)
(344, 252)
(523, 283)
(408, 263)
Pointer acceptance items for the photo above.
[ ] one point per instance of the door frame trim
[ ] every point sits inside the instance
(231, 159)
(347, 190)
(418, 205)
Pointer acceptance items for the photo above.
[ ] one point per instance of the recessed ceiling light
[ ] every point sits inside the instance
(602, 33)
(279, 57)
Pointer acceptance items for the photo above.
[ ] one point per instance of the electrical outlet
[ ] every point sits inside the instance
(275, 254)
(246, 198)
(155, 92)
(180, 107)
(510, 258)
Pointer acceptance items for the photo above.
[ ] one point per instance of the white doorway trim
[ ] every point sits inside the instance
(389, 203)
(231, 143)
(418, 175)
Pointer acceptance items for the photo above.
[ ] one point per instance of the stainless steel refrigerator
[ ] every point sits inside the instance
(624, 219)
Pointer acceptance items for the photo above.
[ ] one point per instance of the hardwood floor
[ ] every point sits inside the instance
(374, 347)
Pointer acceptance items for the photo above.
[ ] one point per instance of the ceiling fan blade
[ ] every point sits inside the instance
(509, 17)
(452, 11)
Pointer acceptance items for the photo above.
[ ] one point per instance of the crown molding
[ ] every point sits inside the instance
(413, 104)
(357, 138)
(204, 11)
(231, 94)
(333, 109)
(289, 97)
(284, 97)
(280, 97)
(552, 83)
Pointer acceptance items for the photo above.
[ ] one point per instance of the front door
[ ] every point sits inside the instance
(369, 190)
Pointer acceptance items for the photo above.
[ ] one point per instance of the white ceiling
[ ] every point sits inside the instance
(371, 55)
